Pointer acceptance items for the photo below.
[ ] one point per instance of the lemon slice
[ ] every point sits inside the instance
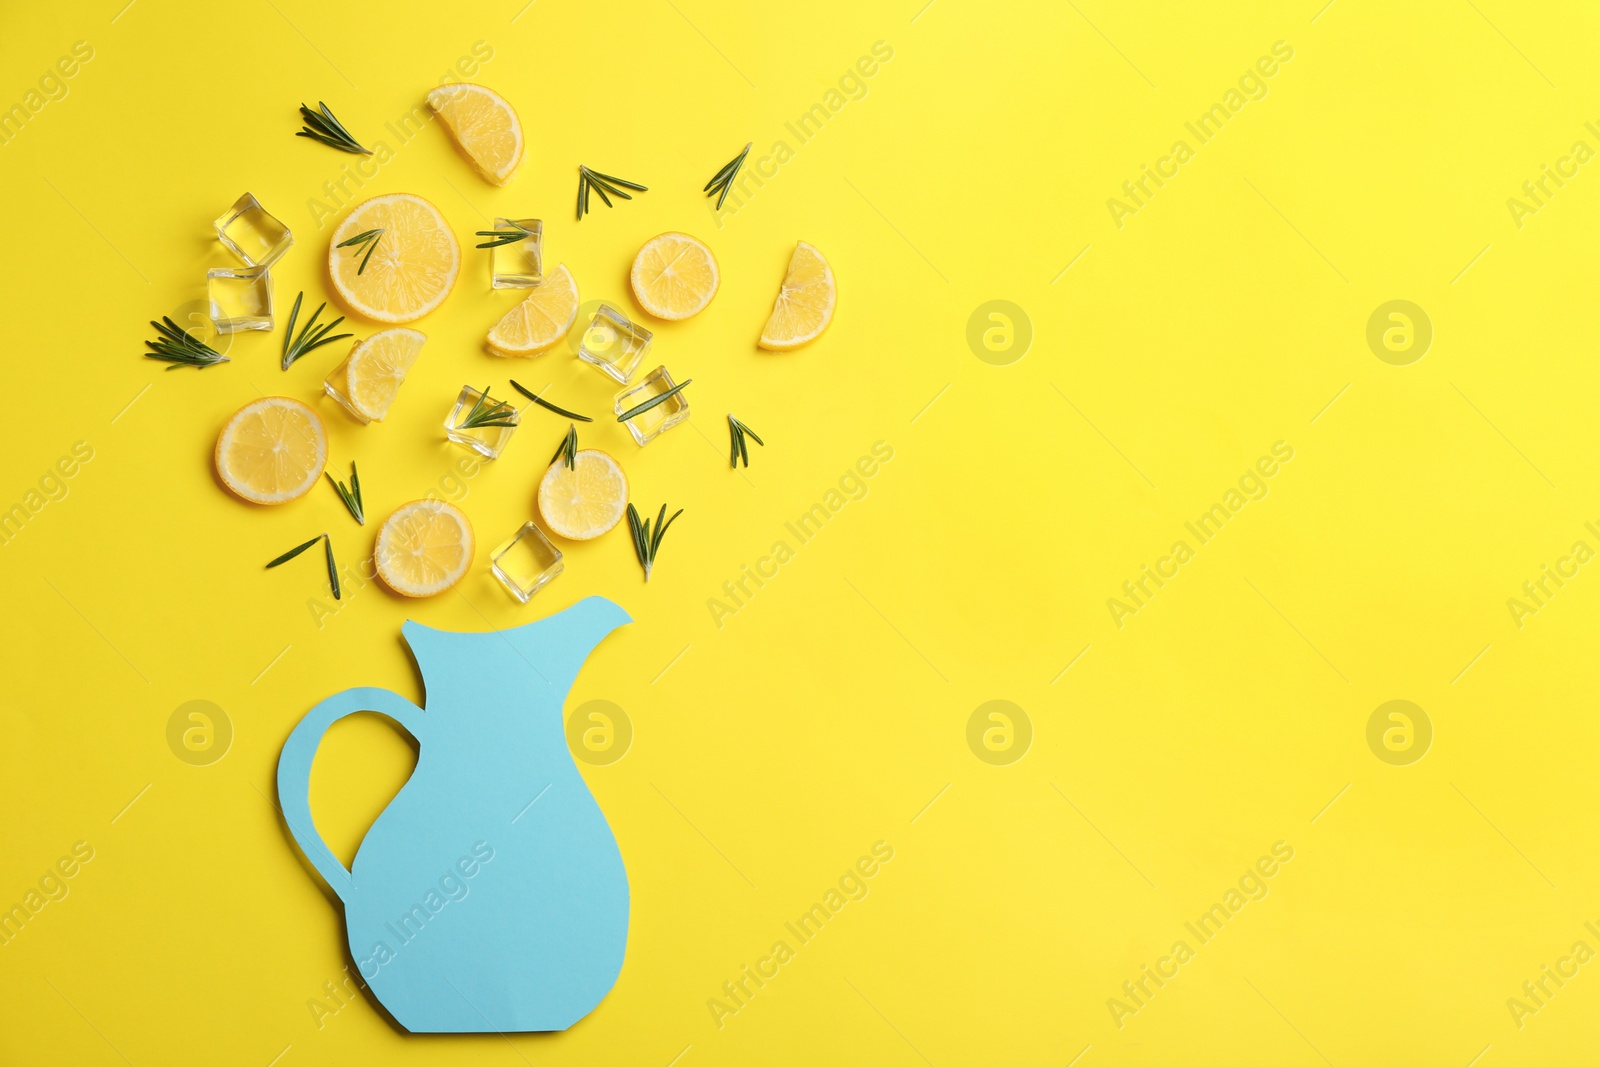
(377, 367)
(805, 303)
(410, 270)
(674, 276)
(587, 500)
(272, 450)
(539, 321)
(423, 548)
(484, 126)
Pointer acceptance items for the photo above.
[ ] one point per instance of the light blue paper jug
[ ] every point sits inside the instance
(489, 895)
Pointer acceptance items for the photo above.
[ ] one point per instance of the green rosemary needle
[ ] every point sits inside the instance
(295, 551)
(351, 495)
(660, 398)
(602, 184)
(181, 348)
(311, 336)
(322, 126)
(719, 185)
(333, 568)
(367, 239)
(546, 404)
(327, 544)
(646, 543)
(488, 413)
(738, 431)
(510, 233)
(568, 451)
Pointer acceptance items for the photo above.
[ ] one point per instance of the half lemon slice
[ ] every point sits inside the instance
(805, 303)
(377, 367)
(484, 126)
(540, 320)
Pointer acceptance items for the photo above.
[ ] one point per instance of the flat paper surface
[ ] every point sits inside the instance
(468, 909)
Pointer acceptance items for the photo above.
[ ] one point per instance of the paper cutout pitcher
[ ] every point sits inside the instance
(489, 895)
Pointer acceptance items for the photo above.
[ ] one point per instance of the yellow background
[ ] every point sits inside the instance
(831, 712)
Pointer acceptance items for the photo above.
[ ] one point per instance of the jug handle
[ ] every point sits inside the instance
(294, 771)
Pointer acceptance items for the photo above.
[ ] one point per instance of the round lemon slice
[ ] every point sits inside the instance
(406, 266)
(272, 450)
(805, 304)
(674, 276)
(586, 501)
(539, 321)
(424, 548)
(377, 367)
(484, 126)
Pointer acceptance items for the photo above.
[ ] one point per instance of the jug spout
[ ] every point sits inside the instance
(546, 654)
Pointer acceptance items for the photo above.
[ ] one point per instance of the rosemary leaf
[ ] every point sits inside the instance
(547, 405)
(487, 413)
(645, 543)
(724, 177)
(737, 432)
(327, 545)
(180, 348)
(567, 452)
(604, 184)
(351, 495)
(660, 398)
(367, 239)
(509, 234)
(322, 126)
(311, 335)
(333, 568)
(619, 181)
(295, 551)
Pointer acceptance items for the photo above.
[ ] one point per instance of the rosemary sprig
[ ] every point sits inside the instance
(568, 451)
(368, 240)
(510, 233)
(327, 544)
(487, 413)
(181, 348)
(602, 184)
(660, 398)
(311, 337)
(351, 495)
(718, 186)
(738, 450)
(547, 405)
(646, 543)
(322, 126)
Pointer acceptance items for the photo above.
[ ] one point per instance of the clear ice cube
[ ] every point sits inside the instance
(241, 298)
(252, 234)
